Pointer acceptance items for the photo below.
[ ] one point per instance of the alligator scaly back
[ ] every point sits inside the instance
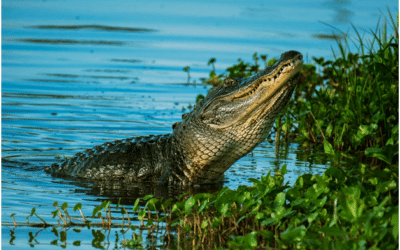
(226, 125)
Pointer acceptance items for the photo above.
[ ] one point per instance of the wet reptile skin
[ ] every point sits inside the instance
(226, 125)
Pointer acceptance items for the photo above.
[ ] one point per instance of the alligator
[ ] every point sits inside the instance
(223, 127)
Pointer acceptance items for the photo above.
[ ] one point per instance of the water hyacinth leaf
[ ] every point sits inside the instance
(204, 224)
(186, 228)
(283, 170)
(175, 208)
(136, 206)
(386, 186)
(259, 216)
(251, 239)
(328, 148)
(354, 207)
(385, 154)
(312, 217)
(321, 202)
(64, 205)
(223, 209)
(280, 199)
(293, 234)
(255, 181)
(167, 203)
(332, 231)
(395, 223)
(269, 221)
(292, 194)
(216, 222)
(78, 206)
(141, 214)
(314, 191)
(153, 204)
(370, 200)
(33, 211)
(373, 181)
(266, 234)
(278, 213)
(337, 174)
(182, 195)
(148, 197)
(329, 130)
(297, 202)
(203, 206)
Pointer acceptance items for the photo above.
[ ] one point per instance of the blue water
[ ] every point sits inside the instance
(64, 90)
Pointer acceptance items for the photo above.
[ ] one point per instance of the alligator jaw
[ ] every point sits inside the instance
(234, 118)
(261, 91)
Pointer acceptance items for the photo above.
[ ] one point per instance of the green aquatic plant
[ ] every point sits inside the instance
(351, 102)
(356, 209)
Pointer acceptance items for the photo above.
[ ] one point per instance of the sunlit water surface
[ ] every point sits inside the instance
(76, 74)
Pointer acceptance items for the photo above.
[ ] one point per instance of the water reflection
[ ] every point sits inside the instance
(92, 27)
(342, 14)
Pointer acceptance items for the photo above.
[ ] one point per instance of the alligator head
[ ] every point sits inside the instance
(234, 118)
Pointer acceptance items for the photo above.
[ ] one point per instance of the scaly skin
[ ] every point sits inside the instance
(226, 125)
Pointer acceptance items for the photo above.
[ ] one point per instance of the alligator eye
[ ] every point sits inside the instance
(229, 82)
(175, 124)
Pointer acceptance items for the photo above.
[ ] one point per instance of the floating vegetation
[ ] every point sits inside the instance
(319, 212)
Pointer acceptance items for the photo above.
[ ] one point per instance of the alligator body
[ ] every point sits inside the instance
(226, 125)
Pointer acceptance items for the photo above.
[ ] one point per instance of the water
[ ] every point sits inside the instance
(78, 73)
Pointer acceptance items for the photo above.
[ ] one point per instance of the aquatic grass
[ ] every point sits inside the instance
(350, 102)
(329, 211)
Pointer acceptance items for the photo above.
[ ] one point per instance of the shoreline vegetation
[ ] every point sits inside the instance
(348, 105)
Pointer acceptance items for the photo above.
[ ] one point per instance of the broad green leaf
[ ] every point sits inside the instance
(283, 170)
(224, 208)
(332, 231)
(329, 129)
(259, 216)
(186, 228)
(64, 205)
(266, 234)
(280, 199)
(33, 211)
(385, 154)
(294, 234)
(328, 148)
(269, 221)
(189, 204)
(148, 197)
(395, 223)
(78, 206)
(204, 224)
(251, 239)
(136, 206)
